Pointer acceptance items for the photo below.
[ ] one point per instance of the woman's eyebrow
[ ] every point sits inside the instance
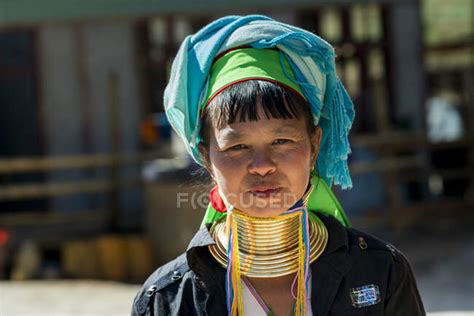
(229, 135)
(286, 128)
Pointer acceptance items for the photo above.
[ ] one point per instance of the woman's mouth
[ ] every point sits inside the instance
(265, 193)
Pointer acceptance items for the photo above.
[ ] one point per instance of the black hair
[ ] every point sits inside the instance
(237, 103)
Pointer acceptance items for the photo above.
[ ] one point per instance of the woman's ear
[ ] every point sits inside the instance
(316, 143)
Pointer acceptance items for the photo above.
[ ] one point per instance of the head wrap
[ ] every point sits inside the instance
(243, 64)
(308, 55)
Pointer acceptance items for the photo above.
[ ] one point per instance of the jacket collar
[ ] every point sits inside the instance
(201, 261)
(337, 235)
(201, 239)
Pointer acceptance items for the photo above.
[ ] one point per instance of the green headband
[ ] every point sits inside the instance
(250, 63)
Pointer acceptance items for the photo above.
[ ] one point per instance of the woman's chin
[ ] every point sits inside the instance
(263, 212)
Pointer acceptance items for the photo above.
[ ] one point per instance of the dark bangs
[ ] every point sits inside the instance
(238, 103)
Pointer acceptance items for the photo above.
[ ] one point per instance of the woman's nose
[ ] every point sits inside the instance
(262, 164)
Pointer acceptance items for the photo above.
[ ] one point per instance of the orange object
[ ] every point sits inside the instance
(148, 132)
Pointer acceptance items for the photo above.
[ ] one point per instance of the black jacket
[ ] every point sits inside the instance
(357, 274)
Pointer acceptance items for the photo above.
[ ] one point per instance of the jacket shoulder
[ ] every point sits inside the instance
(162, 277)
(369, 242)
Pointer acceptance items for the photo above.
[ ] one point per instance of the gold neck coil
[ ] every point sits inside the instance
(268, 247)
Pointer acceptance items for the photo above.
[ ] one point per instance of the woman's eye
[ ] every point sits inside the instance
(238, 147)
(281, 141)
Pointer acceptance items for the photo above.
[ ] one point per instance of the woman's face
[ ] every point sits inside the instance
(262, 168)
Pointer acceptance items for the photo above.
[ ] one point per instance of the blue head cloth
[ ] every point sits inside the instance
(307, 54)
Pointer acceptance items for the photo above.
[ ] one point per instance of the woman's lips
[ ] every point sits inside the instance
(265, 193)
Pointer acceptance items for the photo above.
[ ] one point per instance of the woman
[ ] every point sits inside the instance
(259, 105)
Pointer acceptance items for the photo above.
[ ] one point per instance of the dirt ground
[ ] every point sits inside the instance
(66, 297)
(442, 258)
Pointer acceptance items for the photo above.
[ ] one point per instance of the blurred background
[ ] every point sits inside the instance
(90, 171)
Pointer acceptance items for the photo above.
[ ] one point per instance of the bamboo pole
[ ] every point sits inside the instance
(45, 164)
(34, 218)
(39, 190)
